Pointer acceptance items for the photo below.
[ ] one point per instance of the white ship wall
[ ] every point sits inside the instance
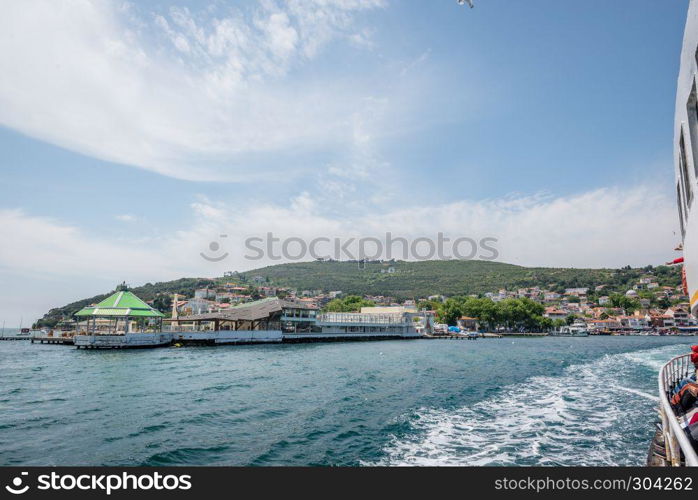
(687, 77)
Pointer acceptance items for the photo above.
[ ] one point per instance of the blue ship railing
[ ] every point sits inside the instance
(676, 442)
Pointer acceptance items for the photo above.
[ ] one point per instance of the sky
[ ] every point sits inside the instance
(137, 136)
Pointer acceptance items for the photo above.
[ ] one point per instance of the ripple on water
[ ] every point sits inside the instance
(182, 456)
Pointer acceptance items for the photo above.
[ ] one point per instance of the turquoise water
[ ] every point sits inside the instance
(555, 401)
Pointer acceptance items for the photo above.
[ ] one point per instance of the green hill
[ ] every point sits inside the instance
(399, 279)
(446, 277)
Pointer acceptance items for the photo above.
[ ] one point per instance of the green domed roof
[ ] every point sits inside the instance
(121, 304)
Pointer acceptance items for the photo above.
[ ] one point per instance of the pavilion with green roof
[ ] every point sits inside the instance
(124, 307)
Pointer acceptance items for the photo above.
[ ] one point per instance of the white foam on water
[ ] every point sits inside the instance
(589, 415)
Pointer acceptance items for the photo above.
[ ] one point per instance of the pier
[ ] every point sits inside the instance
(450, 337)
(456, 336)
(52, 340)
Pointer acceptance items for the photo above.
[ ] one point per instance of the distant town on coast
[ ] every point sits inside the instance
(472, 295)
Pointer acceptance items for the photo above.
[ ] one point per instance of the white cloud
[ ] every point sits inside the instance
(194, 95)
(125, 217)
(610, 227)
(39, 246)
(601, 228)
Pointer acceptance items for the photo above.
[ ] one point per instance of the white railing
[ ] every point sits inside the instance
(360, 318)
(675, 440)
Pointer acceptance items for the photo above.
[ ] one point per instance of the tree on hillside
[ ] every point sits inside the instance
(429, 305)
(450, 311)
(350, 303)
(546, 324)
(626, 303)
(484, 309)
(163, 303)
(513, 314)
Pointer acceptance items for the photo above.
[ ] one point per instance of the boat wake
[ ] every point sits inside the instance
(600, 413)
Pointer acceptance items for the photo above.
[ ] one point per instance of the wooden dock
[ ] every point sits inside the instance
(8, 338)
(450, 337)
(464, 337)
(53, 340)
(524, 334)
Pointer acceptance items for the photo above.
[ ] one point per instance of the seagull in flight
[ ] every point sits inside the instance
(469, 2)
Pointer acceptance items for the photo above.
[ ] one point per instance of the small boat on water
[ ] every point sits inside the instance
(440, 329)
(576, 329)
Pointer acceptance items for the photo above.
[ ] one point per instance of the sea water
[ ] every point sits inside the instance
(511, 401)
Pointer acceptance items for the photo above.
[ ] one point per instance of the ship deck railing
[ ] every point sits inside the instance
(679, 449)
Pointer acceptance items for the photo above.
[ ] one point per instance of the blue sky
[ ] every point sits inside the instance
(134, 134)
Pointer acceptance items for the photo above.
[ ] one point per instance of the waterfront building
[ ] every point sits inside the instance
(662, 321)
(198, 305)
(388, 309)
(554, 313)
(599, 325)
(224, 296)
(310, 302)
(120, 320)
(468, 323)
(277, 320)
(204, 293)
(679, 315)
(633, 322)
